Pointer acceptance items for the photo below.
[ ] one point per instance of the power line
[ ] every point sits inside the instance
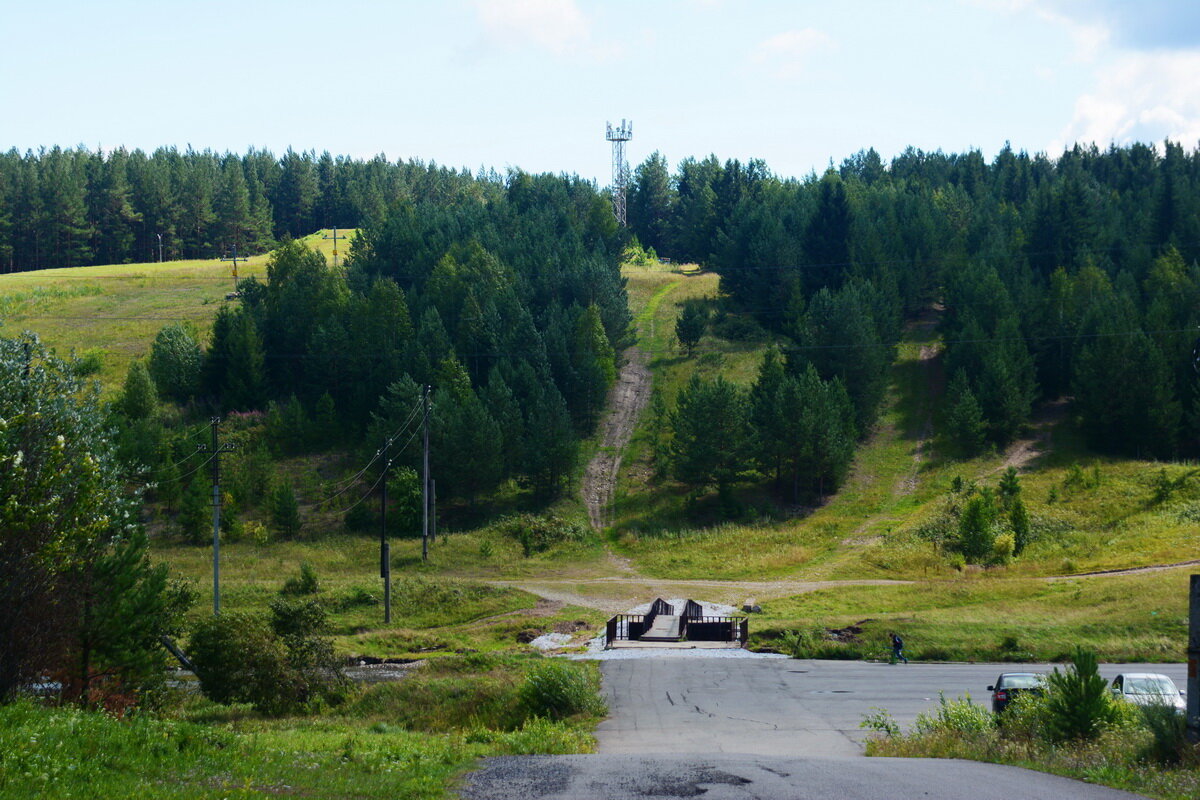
(350, 482)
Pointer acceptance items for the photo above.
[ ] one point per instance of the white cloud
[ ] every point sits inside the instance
(557, 26)
(788, 54)
(1144, 97)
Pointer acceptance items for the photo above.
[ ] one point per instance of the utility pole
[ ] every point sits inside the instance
(216, 449)
(385, 548)
(425, 480)
(234, 259)
(335, 239)
(1193, 657)
(159, 247)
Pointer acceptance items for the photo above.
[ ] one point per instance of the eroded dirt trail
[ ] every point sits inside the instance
(626, 401)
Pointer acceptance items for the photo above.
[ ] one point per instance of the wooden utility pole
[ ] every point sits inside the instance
(335, 238)
(234, 259)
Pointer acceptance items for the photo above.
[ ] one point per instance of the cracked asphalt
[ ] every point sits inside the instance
(770, 729)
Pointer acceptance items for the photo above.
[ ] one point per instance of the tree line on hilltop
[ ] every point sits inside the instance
(1070, 277)
(74, 207)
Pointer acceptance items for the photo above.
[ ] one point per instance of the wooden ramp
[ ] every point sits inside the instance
(664, 628)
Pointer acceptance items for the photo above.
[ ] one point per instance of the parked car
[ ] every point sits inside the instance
(1011, 684)
(1147, 689)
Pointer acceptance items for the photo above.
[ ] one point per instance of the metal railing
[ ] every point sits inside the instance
(628, 627)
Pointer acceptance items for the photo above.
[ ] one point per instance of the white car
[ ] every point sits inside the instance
(1147, 689)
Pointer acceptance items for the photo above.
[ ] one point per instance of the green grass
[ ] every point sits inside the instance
(1141, 617)
(436, 607)
(119, 308)
(401, 740)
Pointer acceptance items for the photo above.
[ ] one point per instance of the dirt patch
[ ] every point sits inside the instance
(1128, 571)
(625, 404)
(1021, 452)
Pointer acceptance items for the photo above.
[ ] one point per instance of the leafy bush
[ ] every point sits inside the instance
(306, 583)
(175, 362)
(1003, 547)
(538, 534)
(277, 668)
(1078, 703)
(556, 689)
(89, 363)
(960, 716)
(881, 722)
(1168, 730)
(239, 659)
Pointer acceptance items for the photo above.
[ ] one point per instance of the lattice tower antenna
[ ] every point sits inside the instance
(620, 169)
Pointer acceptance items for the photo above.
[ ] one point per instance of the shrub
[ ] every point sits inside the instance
(881, 722)
(961, 717)
(800, 644)
(1078, 703)
(306, 583)
(89, 363)
(239, 659)
(277, 668)
(538, 534)
(556, 690)
(1003, 547)
(1168, 730)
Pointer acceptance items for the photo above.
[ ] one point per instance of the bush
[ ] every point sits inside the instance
(277, 668)
(1078, 703)
(239, 659)
(556, 690)
(1168, 730)
(1003, 547)
(306, 583)
(960, 717)
(539, 534)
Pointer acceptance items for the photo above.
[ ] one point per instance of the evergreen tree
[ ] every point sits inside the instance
(711, 435)
(285, 511)
(139, 398)
(963, 417)
(690, 325)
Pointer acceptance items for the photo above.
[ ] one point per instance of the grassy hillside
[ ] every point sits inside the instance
(113, 312)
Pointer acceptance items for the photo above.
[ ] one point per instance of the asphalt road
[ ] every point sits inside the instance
(771, 728)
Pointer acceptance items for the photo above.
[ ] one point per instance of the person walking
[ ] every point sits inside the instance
(898, 648)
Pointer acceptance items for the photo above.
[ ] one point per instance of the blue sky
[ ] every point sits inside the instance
(531, 83)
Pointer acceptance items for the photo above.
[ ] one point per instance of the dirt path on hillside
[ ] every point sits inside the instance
(625, 403)
(1041, 424)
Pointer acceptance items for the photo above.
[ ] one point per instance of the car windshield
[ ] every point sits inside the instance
(1152, 684)
(1020, 681)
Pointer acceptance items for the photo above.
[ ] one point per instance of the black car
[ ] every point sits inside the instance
(1011, 684)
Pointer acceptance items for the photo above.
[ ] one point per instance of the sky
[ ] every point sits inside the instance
(530, 84)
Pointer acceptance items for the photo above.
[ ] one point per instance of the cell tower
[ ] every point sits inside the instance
(619, 136)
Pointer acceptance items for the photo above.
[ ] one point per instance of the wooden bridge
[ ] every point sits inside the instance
(665, 625)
